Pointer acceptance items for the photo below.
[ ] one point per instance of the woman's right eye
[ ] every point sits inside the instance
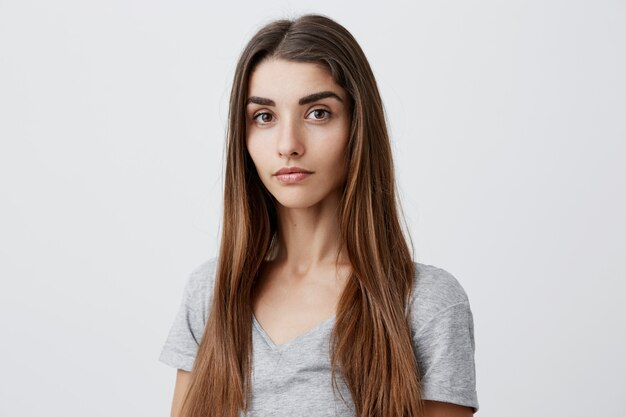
(263, 118)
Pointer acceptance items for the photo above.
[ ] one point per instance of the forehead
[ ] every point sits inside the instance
(282, 80)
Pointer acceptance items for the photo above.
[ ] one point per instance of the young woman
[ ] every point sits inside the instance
(314, 305)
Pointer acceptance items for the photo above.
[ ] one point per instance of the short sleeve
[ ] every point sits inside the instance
(443, 338)
(185, 335)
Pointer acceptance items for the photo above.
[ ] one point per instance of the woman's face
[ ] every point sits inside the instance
(298, 117)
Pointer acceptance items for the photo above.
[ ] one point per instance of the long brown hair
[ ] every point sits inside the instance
(371, 340)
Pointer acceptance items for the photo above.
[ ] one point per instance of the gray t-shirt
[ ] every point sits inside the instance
(294, 379)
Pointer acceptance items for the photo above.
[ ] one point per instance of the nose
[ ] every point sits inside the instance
(290, 140)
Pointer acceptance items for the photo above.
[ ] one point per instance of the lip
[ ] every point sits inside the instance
(291, 175)
(291, 170)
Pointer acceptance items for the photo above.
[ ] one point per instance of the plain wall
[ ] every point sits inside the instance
(508, 127)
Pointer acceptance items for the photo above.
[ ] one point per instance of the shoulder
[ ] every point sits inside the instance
(434, 291)
(199, 290)
(187, 329)
(443, 337)
(202, 277)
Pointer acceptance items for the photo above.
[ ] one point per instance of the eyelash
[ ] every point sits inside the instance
(326, 112)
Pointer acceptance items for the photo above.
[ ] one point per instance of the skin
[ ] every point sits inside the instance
(312, 136)
(301, 287)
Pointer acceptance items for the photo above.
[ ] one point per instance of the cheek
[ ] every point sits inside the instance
(334, 165)
(259, 155)
(254, 150)
(337, 148)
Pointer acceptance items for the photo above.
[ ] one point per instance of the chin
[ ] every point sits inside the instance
(297, 200)
(296, 203)
(305, 197)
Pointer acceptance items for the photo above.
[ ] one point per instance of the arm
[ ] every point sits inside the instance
(180, 389)
(441, 409)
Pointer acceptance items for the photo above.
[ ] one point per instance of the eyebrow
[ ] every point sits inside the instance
(304, 100)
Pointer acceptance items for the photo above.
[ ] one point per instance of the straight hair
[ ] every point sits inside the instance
(371, 343)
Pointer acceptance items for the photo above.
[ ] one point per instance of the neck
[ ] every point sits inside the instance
(309, 237)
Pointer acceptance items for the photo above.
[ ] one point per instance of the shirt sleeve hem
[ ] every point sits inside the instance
(176, 360)
(464, 397)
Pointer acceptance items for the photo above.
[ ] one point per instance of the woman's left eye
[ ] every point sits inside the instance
(319, 114)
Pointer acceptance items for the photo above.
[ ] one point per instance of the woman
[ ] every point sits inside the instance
(314, 306)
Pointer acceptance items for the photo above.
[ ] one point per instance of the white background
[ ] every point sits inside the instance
(509, 133)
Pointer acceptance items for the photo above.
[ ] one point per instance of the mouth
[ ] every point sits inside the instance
(292, 170)
(293, 177)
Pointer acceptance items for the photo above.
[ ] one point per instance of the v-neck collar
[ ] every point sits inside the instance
(283, 346)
